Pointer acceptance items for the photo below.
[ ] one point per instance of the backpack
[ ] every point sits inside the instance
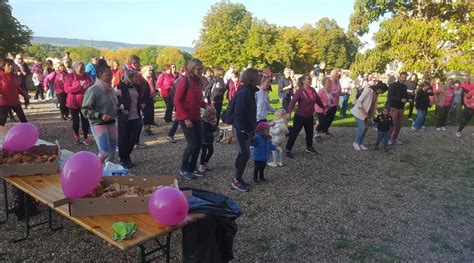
(175, 85)
(228, 114)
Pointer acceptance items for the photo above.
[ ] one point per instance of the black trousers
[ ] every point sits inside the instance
(174, 128)
(193, 138)
(298, 123)
(149, 112)
(5, 109)
(442, 116)
(62, 104)
(244, 154)
(466, 118)
(285, 102)
(207, 150)
(77, 117)
(128, 135)
(39, 92)
(218, 107)
(323, 124)
(258, 171)
(331, 114)
(411, 106)
(169, 109)
(25, 89)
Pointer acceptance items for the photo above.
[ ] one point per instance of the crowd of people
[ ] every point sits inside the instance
(117, 105)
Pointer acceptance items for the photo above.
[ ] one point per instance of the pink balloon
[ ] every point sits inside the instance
(168, 206)
(20, 137)
(81, 174)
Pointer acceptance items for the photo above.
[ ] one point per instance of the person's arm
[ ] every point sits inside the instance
(159, 81)
(88, 107)
(71, 86)
(240, 111)
(319, 101)
(47, 79)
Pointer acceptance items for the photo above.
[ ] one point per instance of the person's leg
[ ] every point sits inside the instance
(330, 117)
(123, 139)
(169, 109)
(191, 141)
(41, 90)
(467, 115)
(410, 110)
(37, 92)
(19, 112)
(379, 139)
(344, 100)
(113, 135)
(297, 126)
(397, 125)
(243, 156)
(218, 107)
(101, 137)
(173, 129)
(360, 132)
(255, 172)
(261, 170)
(75, 122)
(134, 132)
(385, 137)
(85, 125)
(196, 148)
(62, 104)
(204, 153)
(395, 119)
(308, 129)
(210, 152)
(4, 114)
(321, 122)
(420, 115)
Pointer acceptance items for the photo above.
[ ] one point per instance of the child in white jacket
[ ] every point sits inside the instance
(278, 131)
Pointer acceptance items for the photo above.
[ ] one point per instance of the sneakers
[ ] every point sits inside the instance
(87, 142)
(311, 150)
(272, 164)
(288, 154)
(240, 185)
(410, 119)
(363, 148)
(171, 139)
(413, 128)
(197, 173)
(202, 168)
(356, 146)
(438, 129)
(317, 138)
(390, 142)
(186, 174)
(423, 127)
(255, 180)
(140, 146)
(443, 129)
(458, 134)
(397, 141)
(280, 164)
(76, 139)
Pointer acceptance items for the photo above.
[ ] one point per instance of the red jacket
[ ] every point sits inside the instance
(117, 74)
(165, 83)
(9, 90)
(188, 103)
(58, 80)
(75, 90)
(469, 99)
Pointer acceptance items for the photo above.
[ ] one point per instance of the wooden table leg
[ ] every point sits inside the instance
(5, 196)
(164, 248)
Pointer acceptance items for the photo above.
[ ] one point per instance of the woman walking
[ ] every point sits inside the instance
(149, 95)
(56, 79)
(100, 107)
(164, 84)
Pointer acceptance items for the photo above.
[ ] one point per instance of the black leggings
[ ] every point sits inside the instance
(5, 109)
(77, 117)
(323, 124)
(193, 138)
(207, 150)
(466, 118)
(128, 135)
(62, 104)
(298, 124)
(331, 114)
(169, 109)
(442, 116)
(259, 170)
(39, 92)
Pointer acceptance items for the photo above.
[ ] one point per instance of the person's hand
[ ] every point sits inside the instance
(404, 100)
(143, 106)
(188, 123)
(106, 117)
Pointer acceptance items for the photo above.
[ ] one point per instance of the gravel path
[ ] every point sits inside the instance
(414, 203)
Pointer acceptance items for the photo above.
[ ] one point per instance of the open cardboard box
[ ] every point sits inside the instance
(23, 169)
(119, 205)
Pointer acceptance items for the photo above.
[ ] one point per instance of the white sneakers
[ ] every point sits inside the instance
(458, 134)
(441, 129)
(362, 147)
(272, 164)
(356, 146)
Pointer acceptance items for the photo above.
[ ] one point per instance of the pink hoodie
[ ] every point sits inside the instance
(324, 98)
(75, 86)
(165, 83)
(58, 80)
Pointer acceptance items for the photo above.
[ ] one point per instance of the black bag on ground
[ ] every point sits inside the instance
(210, 239)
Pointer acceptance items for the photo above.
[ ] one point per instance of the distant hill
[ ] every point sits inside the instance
(67, 42)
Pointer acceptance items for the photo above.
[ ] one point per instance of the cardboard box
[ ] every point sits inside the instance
(23, 169)
(119, 205)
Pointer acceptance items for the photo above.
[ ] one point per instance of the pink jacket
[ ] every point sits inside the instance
(335, 92)
(324, 98)
(58, 80)
(165, 83)
(75, 86)
(469, 99)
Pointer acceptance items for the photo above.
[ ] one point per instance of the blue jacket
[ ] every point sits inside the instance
(262, 147)
(90, 70)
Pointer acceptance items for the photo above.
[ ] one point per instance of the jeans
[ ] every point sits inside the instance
(169, 109)
(193, 138)
(243, 140)
(4, 109)
(278, 154)
(383, 136)
(106, 139)
(298, 124)
(442, 116)
(467, 116)
(397, 117)
(361, 130)
(128, 135)
(344, 101)
(77, 117)
(207, 150)
(420, 116)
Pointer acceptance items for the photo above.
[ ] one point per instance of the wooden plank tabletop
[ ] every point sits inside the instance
(46, 189)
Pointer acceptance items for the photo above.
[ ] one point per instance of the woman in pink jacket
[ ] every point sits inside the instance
(57, 78)
(75, 85)
(164, 84)
(327, 99)
(468, 111)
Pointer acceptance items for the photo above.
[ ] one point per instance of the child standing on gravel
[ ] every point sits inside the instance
(384, 124)
(209, 128)
(278, 131)
(262, 146)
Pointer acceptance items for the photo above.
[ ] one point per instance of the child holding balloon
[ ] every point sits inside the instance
(262, 147)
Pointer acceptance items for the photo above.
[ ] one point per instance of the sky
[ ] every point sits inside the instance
(158, 22)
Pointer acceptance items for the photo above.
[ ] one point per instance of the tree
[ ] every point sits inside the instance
(149, 55)
(225, 28)
(13, 35)
(170, 55)
(83, 53)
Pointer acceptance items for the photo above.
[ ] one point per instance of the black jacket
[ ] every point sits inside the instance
(125, 99)
(384, 123)
(215, 90)
(396, 92)
(207, 132)
(245, 111)
(422, 100)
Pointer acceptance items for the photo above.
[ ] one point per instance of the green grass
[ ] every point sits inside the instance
(349, 121)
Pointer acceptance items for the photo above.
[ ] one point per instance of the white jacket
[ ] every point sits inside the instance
(278, 131)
